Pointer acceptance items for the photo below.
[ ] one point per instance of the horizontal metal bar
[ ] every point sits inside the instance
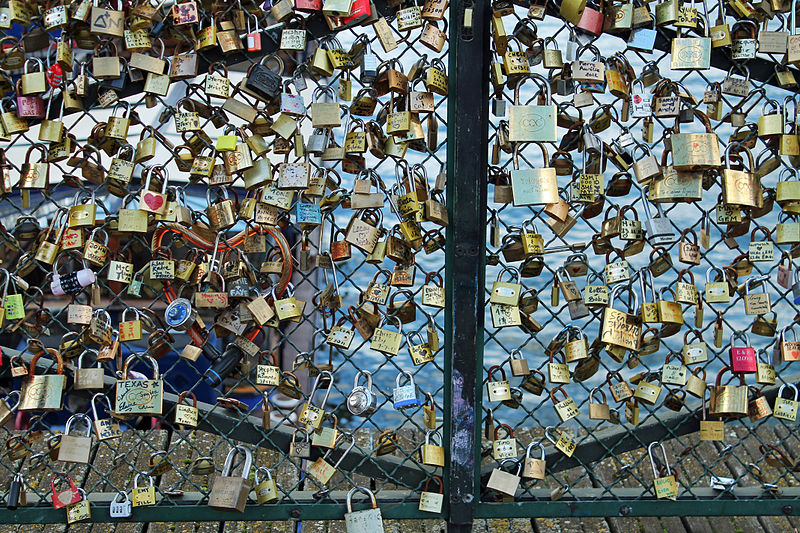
(247, 429)
(741, 501)
(189, 509)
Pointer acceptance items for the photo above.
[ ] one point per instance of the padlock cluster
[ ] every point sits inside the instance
(317, 165)
(595, 151)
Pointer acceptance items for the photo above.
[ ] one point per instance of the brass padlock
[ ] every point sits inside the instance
(229, 492)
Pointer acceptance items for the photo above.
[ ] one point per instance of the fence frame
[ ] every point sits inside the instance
(467, 155)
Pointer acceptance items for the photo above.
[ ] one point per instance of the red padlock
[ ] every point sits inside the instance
(67, 496)
(253, 36)
(54, 75)
(743, 359)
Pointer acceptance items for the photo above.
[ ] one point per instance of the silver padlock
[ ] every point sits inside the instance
(405, 396)
(317, 141)
(120, 509)
(366, 521)
(362, 401)
(659, 229)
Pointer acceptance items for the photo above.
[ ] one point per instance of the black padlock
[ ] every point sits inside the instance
(262, 81)
(14, 492)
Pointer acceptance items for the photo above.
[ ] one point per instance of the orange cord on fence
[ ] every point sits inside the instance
(224, 245)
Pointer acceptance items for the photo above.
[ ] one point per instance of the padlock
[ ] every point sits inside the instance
(405, 396)
(647, 391)
(765, 373)
(690, 53)
(728, 400)
(266, 490)
(694, 352)
(716, 291)
(68, 496)
(740, 187)
(432, 453)
(312, 415)
(566, 408)
(229, 492)
(385, 340)
(120, 509)
(17, 493)
(89, 378)
(74, 448)
(756, 303)
(367, 520)
(498, 390)
(620, 328)
(786, 409)
(139, 396)
(664, 487)
(321, 470)
(533, 123)
(598, 411)
(429, 501)
(104, 428)
(186, 415)
(300, 448)
(673, 374)
(362, 401)
(42, 392)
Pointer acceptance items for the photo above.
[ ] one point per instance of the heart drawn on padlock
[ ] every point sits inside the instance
(153, 201)
(66, 497)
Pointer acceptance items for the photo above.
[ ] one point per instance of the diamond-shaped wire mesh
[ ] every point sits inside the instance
(300, 345)
(612, 455)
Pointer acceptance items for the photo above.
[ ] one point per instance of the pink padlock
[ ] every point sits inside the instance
(743, 359)
(29, 106)
(592, 19)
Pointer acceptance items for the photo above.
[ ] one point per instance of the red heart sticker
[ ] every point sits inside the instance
(153, 201)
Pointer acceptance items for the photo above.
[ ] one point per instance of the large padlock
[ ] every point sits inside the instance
(365, 521)
(728, 400)
(533, 123)
(43, 392)
(76, 448)
(139, 396)
(229, 492)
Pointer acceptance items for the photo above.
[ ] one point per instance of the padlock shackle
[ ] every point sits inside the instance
(95, 397)
(363, 490)
(652, 459)
(780, 390)
(248, 461)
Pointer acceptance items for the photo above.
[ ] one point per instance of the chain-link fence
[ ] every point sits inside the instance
(269, 228)
(589, 220)
(253, 196)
